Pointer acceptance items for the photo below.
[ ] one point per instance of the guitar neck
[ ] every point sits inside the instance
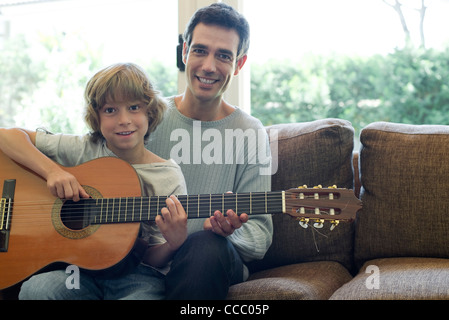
(138, 209)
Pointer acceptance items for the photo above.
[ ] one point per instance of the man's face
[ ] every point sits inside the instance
(211, 61)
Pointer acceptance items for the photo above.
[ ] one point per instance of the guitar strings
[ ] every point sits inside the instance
(204, 199)
(212, 200)
(144, 214)
(42, 217)
(137, 201)
(134, 202)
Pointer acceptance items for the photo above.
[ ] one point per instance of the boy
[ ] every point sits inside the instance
(122, 110)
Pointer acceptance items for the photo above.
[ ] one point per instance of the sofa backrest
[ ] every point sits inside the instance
(404, 172)
(311, 153)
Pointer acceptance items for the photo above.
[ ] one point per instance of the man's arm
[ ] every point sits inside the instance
(250, 236)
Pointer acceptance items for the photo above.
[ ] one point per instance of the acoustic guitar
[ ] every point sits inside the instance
(37, 229)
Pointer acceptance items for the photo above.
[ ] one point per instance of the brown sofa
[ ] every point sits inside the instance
(397, 248)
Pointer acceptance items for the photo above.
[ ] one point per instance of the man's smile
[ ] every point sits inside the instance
(206, 80)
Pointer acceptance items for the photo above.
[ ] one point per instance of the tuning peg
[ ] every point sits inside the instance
(304, 222)
(331, 195)
(319, 223)
(301, 195)
(334, 223)
(316, 195)
(301, 210)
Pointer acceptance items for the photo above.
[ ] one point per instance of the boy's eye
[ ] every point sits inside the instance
(109, 110)
(134, 108)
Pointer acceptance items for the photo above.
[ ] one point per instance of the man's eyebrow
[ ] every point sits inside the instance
(198, 46)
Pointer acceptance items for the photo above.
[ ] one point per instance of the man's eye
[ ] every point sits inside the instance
(199, 51)
(225, 57)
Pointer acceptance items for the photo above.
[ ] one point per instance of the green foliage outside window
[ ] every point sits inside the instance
(409, 85)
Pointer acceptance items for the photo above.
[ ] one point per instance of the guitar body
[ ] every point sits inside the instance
(37, 235)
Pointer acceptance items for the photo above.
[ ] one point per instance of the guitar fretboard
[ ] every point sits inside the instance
(135, 209)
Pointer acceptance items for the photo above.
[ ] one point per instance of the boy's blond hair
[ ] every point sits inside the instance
(121, 82)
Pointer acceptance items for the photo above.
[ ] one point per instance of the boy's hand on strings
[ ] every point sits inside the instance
(64, 185)
(173, 223)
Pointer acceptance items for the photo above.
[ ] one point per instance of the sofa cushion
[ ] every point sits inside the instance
(311, 153)
(398, 279)
(304, 281)
(404, 175)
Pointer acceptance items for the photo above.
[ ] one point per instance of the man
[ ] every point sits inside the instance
(203, 133)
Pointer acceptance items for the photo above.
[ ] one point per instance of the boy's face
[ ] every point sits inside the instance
(211, 62)
(124, 125)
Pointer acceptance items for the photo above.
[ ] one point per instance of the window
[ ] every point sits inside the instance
(49, 50)
(308, 59)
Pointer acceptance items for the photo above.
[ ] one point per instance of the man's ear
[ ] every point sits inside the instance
(184, 52)
(239, 64)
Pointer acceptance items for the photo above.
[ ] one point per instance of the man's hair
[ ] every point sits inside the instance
(222, 15)
(121, 82)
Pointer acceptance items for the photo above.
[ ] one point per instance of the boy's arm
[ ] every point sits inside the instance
(19, 145)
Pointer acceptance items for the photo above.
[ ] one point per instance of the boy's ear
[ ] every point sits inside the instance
(239, 65)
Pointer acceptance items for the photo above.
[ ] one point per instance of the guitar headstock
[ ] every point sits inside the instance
(321, 204)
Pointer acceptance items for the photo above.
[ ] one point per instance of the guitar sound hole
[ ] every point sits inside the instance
(72, 215)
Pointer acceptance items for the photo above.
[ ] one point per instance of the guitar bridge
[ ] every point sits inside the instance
(6, 204)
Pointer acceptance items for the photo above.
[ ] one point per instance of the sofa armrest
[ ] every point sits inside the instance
(404, 174)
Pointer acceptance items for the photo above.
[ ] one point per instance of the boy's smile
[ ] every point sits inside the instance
(126, 133)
